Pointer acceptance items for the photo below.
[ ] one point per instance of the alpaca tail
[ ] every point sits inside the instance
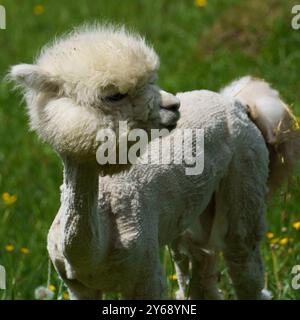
(275, 120)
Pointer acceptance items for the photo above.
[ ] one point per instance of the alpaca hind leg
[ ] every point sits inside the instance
(205, 276)
(247, 272)
(244, 208)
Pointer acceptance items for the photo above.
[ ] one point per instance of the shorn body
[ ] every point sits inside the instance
(151, 205)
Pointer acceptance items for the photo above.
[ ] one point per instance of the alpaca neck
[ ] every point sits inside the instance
(85, 226)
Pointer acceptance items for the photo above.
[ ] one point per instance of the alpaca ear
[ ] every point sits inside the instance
(34, 77)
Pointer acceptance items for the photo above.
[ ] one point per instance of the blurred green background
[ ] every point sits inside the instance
(202, 44)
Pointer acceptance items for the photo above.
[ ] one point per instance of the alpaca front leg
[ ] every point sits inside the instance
(78, 291)
(151, 283)
(152, 288)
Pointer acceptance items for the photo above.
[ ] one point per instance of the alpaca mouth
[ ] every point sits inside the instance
(169, 118)
(170, 128)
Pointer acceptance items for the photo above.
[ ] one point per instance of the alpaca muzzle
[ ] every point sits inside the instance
(169, 106)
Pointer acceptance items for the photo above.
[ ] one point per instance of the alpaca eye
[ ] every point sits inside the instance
(116, 97)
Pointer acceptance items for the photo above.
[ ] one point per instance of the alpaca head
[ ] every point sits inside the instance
(90, 80)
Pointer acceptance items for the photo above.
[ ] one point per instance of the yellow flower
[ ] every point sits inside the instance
(173, 277)
(275, 240)
(284, 241)
(66, 296)
(200, 3)
(24, 250)
(8, 199)
(296, 225)
(9, 248)
(38, 9)
(270, 235)
(51, 287)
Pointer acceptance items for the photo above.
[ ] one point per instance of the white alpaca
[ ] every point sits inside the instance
(107, 233)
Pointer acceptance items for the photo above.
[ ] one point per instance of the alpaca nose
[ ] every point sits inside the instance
(169, 101)
(173, 107)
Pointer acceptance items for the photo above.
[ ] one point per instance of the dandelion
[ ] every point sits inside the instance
(38, 9)
(51, 287)
(296, 225)
(9, 248)
(200, 3)
(173, 277)
(274, 241)
(66, 296)
(43, 293)
(283, 241)
(24, 250)
(8, 199)
(270, 235)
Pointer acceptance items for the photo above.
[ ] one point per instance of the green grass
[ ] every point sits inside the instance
(199, 48)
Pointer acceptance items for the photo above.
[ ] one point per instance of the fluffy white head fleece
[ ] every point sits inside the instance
(91, 79)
